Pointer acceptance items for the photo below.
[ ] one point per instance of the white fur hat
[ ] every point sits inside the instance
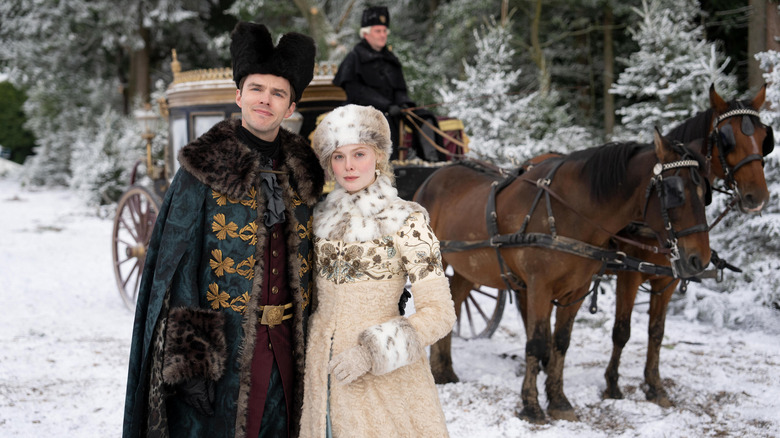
(351, 124)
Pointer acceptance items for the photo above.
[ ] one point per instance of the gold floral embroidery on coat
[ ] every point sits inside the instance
(305, 264)
(249, 233)
(219, 265)
(249, 199)
(246, 268)
(296, 200)
(379, 259)
(238, 304)
(222, 229)
(217, 298)
(305, 231)
(427, 255)
(347, 263)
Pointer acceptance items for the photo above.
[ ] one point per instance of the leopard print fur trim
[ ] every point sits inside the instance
(195, 345)
(366, 215)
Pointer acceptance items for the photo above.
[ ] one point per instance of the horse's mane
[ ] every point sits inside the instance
(693, 128)
(605, 167)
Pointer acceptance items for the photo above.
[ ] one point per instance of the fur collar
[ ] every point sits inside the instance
(369, 214)
(221, 161)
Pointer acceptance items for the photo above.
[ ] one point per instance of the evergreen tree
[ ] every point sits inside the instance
(71, 58)
(668, 78)
(505, 127)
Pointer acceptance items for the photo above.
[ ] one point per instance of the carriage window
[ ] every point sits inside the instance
(202, 122)
(178, 140)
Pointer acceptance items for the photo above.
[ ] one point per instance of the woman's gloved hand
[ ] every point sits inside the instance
(350, 364)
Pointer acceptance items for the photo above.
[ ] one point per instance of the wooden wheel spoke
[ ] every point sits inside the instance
(479, 308)
(130, 274)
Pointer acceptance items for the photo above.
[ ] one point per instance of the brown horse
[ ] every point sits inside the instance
(735, 142)
(588, 196)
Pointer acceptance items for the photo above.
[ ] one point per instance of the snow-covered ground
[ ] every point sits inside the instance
(65, 336)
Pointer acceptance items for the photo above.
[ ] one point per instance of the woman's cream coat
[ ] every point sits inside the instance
(366, 244)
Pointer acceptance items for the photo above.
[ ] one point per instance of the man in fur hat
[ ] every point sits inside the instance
(372, 75)
(218, 339)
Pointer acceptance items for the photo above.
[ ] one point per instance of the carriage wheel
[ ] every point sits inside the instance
(135, 216)
(480, 313)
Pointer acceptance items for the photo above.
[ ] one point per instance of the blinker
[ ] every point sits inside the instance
(673, 190)
(727, 139)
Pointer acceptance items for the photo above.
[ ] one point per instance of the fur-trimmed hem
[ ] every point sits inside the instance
(391, 345)
(195, 345)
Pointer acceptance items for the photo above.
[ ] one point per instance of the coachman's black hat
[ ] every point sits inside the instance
(375, 15)
(253, 51)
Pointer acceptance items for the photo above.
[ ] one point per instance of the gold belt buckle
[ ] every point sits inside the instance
(272, 315)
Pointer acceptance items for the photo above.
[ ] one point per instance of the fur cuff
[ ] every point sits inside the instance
(391, 345)
(194, 345)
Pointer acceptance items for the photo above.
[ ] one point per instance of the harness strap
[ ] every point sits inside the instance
(640, 245)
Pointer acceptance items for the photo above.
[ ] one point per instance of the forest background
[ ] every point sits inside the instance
(525, 76)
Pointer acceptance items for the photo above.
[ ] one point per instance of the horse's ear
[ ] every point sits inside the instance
(716, 101)
(662, 149)
(758, 101)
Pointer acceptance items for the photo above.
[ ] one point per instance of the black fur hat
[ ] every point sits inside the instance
(375, 15)
(253, 51)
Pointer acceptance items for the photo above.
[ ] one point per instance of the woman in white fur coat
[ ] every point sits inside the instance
(367, 373)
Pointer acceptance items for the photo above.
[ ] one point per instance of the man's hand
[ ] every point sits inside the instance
(350, 364)
(198, 392)
(394, 110)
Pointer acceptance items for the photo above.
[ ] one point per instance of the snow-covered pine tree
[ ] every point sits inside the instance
(668, 78)
(65, 55)
(503, 126)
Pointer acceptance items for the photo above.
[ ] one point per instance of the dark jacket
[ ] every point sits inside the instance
(372, 78)
(192, 318)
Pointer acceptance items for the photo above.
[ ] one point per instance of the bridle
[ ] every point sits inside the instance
(671, 193)
(723, 138)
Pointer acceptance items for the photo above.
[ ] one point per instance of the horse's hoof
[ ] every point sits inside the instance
(561, 414)
(657, 396)
(442, 377)
(613, 393)
(533, 415)
(661, 400)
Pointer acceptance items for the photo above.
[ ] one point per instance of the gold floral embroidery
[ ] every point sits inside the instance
(305, 264)
(305, 232)
(249, 233)
(251, 200)
(343, 263)
(245, 268)
(218, 299)
(238, 304)
(296, 199)
(220, 266)
(415, 253)
(222, 229)
(221, 198)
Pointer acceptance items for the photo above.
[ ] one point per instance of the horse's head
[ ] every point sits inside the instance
(674, 206)
(738, 144)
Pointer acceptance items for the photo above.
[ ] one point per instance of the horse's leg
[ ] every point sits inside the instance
(538, 333)
(659, 303)
(441, 351)
(559, 407)
(626, 287)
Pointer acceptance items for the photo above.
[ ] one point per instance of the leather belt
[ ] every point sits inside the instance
(274, 315)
